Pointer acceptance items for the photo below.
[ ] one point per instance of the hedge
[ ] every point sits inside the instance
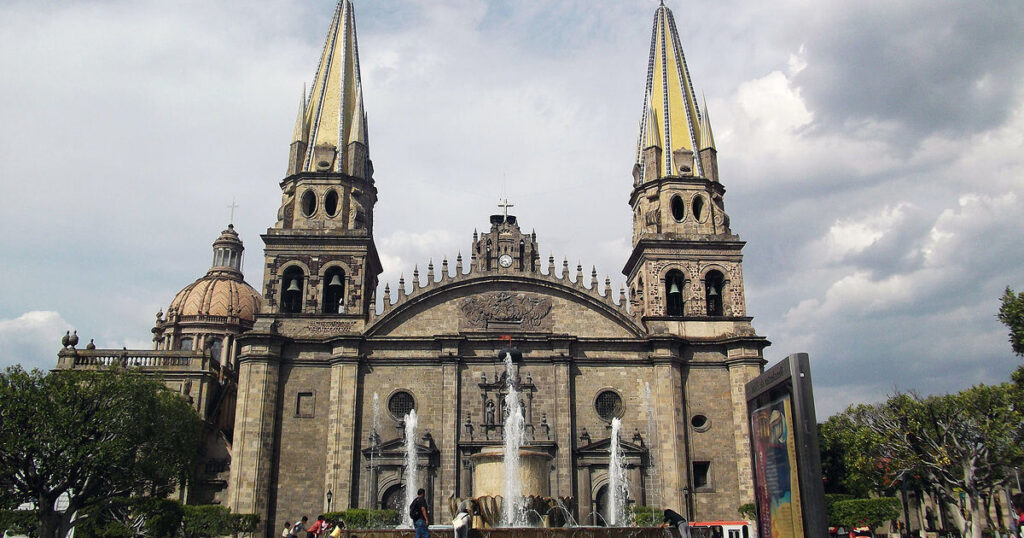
(361, 518)
(206, 521)
(830, 500)
(866, 512)
(23, 522)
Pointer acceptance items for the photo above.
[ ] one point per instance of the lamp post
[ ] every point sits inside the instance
(329, 500)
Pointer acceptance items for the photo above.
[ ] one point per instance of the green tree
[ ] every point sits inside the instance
(92, 436)
(1011, 313)
(967, 442)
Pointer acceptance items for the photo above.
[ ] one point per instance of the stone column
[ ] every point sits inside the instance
(450, 410)
(255, 423)
(342, 438)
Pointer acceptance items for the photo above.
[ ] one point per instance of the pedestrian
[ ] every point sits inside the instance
(673, 519)
(287, 530)
(1018, 510)
(299, 528)
(418, 513)
(317, 528)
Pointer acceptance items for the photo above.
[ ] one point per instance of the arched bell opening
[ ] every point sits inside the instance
(674, 286)
(292, 283)
(713, 289)
(334, 291)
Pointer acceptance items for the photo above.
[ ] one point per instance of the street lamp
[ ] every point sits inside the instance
(329, 500)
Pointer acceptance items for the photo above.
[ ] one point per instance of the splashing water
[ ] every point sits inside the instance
(618, 488)
(515, 428)
(411, 485)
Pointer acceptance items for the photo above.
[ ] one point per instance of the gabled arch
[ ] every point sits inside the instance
(519, 283)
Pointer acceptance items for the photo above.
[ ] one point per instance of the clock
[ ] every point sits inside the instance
(505, 260)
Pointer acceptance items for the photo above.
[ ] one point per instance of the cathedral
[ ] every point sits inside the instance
(304, 381)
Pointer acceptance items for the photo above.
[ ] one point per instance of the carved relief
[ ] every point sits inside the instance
(506, 310)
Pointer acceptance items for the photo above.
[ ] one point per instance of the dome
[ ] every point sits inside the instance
(217, 295)
(223, 291)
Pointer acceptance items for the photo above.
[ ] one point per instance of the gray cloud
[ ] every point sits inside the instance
(129, 126)
(928, 67)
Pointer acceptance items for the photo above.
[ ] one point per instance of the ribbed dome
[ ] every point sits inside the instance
(217, 294)
(223, 291)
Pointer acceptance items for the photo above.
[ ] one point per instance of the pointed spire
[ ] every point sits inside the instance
(707, 139)
(334, 116)
(671, 119)
(300, 122)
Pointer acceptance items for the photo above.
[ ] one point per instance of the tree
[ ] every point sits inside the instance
(92, 436)
(1011, 313)
(967, 442)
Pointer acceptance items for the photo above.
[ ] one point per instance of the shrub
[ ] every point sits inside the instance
(869, 512)
(645, 516)
(748, 511)
(206, 521)
(361, 518)
(127, 517)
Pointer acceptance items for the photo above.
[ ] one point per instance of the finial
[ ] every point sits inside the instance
(91, 344)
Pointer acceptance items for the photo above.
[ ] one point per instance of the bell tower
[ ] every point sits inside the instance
(321, 259)
(686, 263)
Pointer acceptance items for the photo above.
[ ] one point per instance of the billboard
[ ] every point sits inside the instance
(788, 492)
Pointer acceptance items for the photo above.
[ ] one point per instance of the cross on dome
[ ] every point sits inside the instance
(505, 205)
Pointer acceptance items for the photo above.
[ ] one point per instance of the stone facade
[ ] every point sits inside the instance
(324, 376)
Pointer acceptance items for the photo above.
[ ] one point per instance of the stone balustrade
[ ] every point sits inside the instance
(183, 361)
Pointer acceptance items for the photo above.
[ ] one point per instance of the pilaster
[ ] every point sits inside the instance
(450, 410)
(342, 438)
(564, 427)
(671, 449)
(255, 425)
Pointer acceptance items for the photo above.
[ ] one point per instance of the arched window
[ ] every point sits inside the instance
(216, 347)
(674, 287)
(334, 291)
(292, 283)
(185, 344)
(713, 288)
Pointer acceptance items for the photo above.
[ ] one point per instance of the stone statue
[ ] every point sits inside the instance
(489, 412)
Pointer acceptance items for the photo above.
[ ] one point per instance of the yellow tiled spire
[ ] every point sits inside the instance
(671, 119)
(334, 116)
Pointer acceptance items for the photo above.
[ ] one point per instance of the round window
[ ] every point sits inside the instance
(308, 203)
(608, 405)
(400, 404)
(700, 423)
(678, 208)
(331, 203)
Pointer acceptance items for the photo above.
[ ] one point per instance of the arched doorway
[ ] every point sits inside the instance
(601, 505)
(394, 498)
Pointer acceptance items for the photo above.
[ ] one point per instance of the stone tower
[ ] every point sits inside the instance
(321, 259)
(685, 272)
(320, 274)
(686, 263)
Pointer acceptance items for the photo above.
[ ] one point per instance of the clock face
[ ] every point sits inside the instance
(505, 260)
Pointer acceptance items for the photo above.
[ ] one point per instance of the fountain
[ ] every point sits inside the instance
(515, 429)
(411, 484)
(618, 487)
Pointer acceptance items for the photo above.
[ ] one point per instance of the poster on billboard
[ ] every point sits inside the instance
(788, 492)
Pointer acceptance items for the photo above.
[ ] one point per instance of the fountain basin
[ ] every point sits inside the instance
(489, 472)
(567, 532)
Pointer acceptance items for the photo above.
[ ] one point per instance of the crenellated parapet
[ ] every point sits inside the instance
(502, 253)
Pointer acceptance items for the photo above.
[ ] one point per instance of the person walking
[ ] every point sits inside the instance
(418, 513)
(317, 528)
(299, 528)
(287, 532)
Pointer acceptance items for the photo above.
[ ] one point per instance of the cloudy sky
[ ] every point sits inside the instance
(873, 154)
